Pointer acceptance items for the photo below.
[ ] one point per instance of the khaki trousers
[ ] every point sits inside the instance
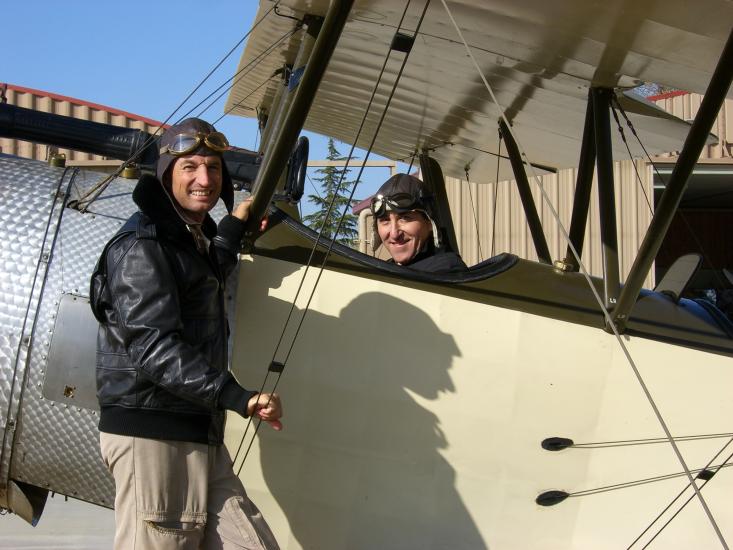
(179, 495)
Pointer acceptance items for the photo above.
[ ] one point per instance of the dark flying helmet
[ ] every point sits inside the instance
(194, 136)
(404, 193)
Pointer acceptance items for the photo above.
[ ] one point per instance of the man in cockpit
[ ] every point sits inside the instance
(404, 221)
(163, 382)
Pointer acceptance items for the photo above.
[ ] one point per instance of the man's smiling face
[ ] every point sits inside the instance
(404, 234)
(196, 184)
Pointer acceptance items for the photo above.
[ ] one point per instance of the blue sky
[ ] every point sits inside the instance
(140, 57)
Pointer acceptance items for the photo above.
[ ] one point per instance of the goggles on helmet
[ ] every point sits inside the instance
(184, 144)
(399, 202)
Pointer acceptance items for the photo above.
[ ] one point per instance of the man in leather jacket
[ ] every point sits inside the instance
(404, 222)
(162, 357)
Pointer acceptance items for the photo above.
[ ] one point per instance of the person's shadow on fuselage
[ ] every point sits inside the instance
(359, 463)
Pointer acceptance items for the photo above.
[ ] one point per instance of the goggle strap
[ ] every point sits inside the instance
(218, 144)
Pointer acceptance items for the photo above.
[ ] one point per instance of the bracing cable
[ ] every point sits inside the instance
(645, 441)
(230, 82)
(609, 321)
(211, 72)
(711, 470)
(628, 150)
(238, 103)
(716, 273)
(99, 189)
(328, 214)
(638, 482)
(412, 161)
(318, 194)
(475, 217)
(318, 239)
(496, 197)
(621, 132)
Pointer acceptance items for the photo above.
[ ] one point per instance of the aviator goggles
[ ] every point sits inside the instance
(399, 202)
(184, 144)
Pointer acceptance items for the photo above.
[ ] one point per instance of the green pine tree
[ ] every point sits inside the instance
(329, 180)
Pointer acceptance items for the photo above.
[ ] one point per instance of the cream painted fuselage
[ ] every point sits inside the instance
(415, 417)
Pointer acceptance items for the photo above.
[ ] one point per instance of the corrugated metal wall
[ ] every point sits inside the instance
(53, 103)
(502, 224)
(685, 106)
(474, 205)
(488, 217)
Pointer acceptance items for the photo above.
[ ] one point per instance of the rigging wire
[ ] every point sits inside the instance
(358, 178)
(609, 322)
(211, 72)
(95, 190)
(707, 468)
(496, 196)
(498, 155)
(250, 31)
(318, 239)
(645, 441)
(620, 129)
(283, 15)
(684, 505)
(645, 481)
(328, 215)
(361, 169)
(258, 133)
(683, 217)
(239, 75)
(631, 156)
(151, 139)
(412, 161)
(475, 217)
(99, 188)
(313, 185)
(239, 103)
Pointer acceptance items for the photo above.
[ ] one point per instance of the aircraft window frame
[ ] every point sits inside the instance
(479, 272)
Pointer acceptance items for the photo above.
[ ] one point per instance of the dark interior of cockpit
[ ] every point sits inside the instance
(703, 226)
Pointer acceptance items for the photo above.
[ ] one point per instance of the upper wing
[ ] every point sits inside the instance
(539, 56)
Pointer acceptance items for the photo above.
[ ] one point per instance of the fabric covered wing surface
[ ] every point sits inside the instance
(539, 57)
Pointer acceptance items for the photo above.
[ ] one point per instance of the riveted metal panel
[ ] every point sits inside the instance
(29, 219)
(70, 376)
(57, 445)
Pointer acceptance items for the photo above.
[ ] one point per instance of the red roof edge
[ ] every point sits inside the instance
(361, 205)
(75, 101)
(667, 95)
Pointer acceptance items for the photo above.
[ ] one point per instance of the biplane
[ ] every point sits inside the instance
(523, 404)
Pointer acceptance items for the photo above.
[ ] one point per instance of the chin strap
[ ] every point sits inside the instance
(202, 243)
(436, 235)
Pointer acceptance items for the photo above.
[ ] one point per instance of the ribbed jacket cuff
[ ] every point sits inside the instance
(229, 233)
(235, 398)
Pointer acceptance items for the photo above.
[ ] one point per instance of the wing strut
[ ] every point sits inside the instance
(525, 193)
(706, 116)
(433, 177)
(284, 141)
(583, 185)
(601, 99)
